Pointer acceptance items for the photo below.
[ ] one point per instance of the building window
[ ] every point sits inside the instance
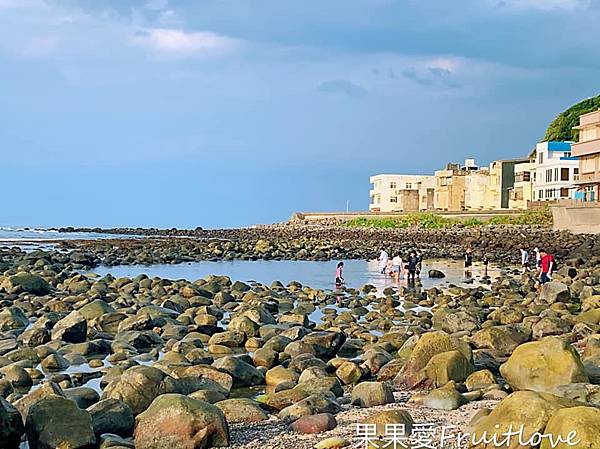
(540, 195)
(541, 158)
(576, 174)
(523, 177)
(564, 174)
(564, 192)
(568, 154)
(393, 199)
(588, 165)
(549, 175)
(408, 186)
(442, 181)
(556, 174)
(377, 199)
(393, 185)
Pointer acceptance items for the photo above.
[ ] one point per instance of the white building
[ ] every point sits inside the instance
(401, 193)
(555, 171)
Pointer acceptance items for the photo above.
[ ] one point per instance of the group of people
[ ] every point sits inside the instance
(544, 263)
(410, 268)
(396, 267)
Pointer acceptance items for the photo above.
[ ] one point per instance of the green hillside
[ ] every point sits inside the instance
(561, 129)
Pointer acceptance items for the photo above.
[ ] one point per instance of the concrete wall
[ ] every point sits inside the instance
(577, 219)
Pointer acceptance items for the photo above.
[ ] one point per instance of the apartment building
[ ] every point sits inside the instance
(522, 191)
(401, 193)
(588, 150)
(556, 171)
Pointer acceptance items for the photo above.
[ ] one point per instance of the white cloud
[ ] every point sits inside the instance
(178, 43)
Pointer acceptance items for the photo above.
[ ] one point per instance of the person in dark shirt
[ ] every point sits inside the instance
(413, 263)
(468, 261)
(419, 263)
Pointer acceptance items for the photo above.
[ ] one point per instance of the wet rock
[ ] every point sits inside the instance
(349, 373)
(179, 422)
(47, 389)
(480, 380)
(55, 362)
(326, 343)
(56, 422)
(436, 274)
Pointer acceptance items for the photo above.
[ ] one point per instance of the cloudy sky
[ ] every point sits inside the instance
(220, 113)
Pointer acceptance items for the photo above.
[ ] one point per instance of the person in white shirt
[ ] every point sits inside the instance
(383, 260)
(396, 267)
(525, 260)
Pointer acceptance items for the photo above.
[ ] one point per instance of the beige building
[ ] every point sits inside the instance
(451, 187)
(588, 151)
(477, 185)
(522, 192)
(401, 193)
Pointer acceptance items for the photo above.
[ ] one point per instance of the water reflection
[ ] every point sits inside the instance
(314, 274)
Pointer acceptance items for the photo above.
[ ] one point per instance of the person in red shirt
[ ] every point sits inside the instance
(546, 267)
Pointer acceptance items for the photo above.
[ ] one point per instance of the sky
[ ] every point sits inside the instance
(224, 113)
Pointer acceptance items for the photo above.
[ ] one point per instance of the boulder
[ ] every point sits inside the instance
(430, 344)
(583, 421)
(280, 374)
(71, 329)
(555, 292)
(436, 274)
(480, 380)
(371, 394)
(56, 422)
(95, 310)
(396, 416)
(325, 343)
(529, 409)
(349, 373)
(27, 282)
(11, 426)
(175, 421)
(321, 422)
(242, 410)
(139, 386)
(244, 374)
(12, 318)
(311, 405)
(447, 366)
(444, 398)
(112, 416)
(543, 366)
(503, 339)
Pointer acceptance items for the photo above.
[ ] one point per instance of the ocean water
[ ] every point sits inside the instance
(314, 274)
(16, 234)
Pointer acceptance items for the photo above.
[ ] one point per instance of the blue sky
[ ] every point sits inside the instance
(222, 113)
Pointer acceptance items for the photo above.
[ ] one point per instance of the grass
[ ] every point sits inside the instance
(427, 220)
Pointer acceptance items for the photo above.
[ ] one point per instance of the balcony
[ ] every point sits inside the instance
(586, 148)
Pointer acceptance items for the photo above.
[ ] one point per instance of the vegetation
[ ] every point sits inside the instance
(434, 221)
(561, 129)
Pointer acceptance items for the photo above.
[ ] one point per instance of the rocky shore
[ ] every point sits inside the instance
(499, 243)
(149, 363)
